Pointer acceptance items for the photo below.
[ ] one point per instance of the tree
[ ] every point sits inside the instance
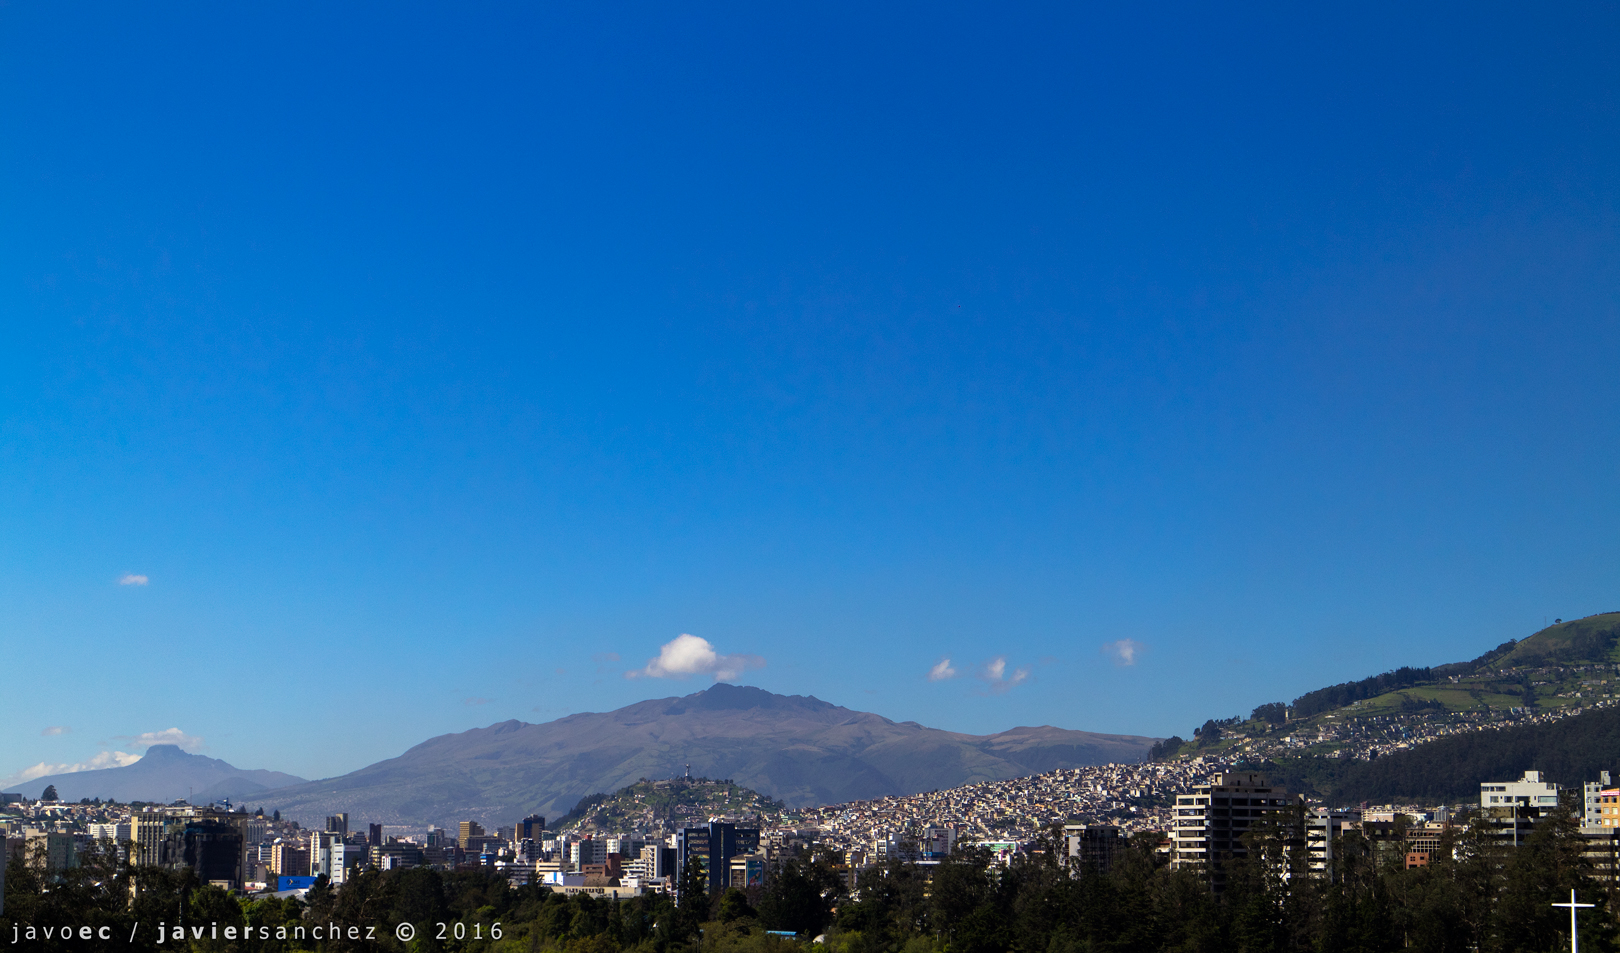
(801, 897)
(1272, 713)
(692, 900)
(211, 905)
(50, 793)
(1166, 748)
(734, 906)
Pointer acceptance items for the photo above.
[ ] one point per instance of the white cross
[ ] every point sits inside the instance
(1574, 942)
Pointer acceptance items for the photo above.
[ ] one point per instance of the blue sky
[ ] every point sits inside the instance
(437, 365)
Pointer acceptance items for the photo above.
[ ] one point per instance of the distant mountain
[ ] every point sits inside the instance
(164, 774)
(797, 749)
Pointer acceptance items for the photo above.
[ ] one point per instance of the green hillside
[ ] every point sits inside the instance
(1583, 641)
(653, 805)
(1568, 665)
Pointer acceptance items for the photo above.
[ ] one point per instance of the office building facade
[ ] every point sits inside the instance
(712, 847)
(1210, 822)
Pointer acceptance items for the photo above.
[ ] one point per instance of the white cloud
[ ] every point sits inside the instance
(168, 736)
(689, 655)
(1125, 652)
(995, 674)
(474, 702)
(56, 730)
(132, 579)
(105, 759)
(941, 671)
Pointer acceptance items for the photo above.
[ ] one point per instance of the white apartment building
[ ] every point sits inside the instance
(1528, 791)
(117, 832)
(1322, 827)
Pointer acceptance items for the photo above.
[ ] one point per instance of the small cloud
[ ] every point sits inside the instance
(605, 661)
(56, 730)
(169, 736)
(687, 655)
(1125, 652)
(474, 702)
(132, 579)
(994, 674)
(941, 671)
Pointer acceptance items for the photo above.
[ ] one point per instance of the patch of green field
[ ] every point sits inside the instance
(1594, 639)
(1454, 697)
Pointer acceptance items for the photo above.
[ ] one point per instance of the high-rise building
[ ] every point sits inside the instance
(288, 859)
(658, 861)
(344, 858)
(530, 828)
(214, 850)
(1091, 848)
(936, 842)
(469, 830)
(56, 850)
(1609, 807)
(1211, 821)
(713, 847)
(1323, 827)
(591, 850)
(320, 852)
(692, 846)
(1592, 801)
(1528, 791)
(374, 835)
(338, 824)
(1513, 808)
(148, 834)
(117, 832)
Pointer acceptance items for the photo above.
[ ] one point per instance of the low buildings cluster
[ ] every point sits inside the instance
(1132, 797)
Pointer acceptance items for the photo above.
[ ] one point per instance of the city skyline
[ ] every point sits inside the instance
(397, 371)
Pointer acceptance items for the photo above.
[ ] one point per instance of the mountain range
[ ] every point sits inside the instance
(804, 751)
(798, 749)
(165, 773)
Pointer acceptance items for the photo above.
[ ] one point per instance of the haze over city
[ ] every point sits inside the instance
(384, 371)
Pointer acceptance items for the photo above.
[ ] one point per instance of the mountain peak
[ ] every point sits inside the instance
(796, 748)
(723, 696)
(164, 773)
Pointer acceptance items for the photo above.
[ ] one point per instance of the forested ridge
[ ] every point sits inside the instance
(1570, 751)
(1338, 696)
(1476, 895)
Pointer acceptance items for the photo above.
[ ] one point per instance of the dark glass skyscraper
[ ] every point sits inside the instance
(214, 850)
(713, 846)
